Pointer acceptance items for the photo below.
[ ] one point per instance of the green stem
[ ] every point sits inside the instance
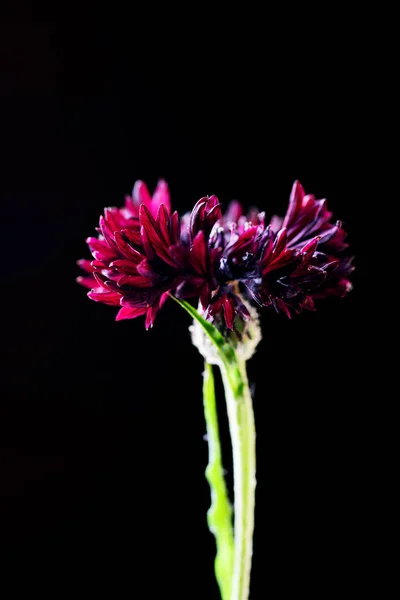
(219, 515)
(242, 431)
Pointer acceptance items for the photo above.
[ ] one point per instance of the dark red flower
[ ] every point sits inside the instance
(137, 258)
(143, 254)
(285, 264)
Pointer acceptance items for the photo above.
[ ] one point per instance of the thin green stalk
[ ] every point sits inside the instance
(242, 431)
(219, 515)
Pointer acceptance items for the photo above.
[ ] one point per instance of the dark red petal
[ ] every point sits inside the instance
(267, 245)
(134, 282)
(140, 298)
(98, 264)
(150, 316)
(243, 241)
(175, 229)
(124, 266)
(125, 249)
(108, 234)
(147, 247)
(88, 282)
(129, 313)
(205, 295)
(140, 194)
(163, 224)
(215, 212)
(163, 299)
(328, 234)
(132, 209)
(198, 253)
(281, 306)
(100, 278)
(198, 209)
(132, 236)
(280, 241)
(114, 219)
(289, 259)
(100, 249)
(295, 201)
(153, 244)
(161, 196)
(110, 298)
(85, 264)
(308, 250)
(229, 313)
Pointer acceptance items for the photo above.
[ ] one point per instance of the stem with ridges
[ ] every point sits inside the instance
(242, 430)
(219, 516)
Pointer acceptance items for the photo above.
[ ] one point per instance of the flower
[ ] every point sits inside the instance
(143, 254)
(136, 255)
(292, 261)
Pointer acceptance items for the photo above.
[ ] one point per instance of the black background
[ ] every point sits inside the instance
(101, 423)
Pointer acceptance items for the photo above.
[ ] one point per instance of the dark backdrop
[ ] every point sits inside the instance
(101, 448)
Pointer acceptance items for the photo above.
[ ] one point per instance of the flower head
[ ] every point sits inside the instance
(136, 255)
(143, 254)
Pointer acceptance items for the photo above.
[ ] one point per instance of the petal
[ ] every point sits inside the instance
(108, 234)
(198, 253)
(280, 242)
(88, 282)
(163, 224)
(281, 306)
(161, 196)
(150, 316)
(152, 241)
(205, 295)
(288, 260)
(308, 250)
(85, 264)
(140, 194)
(132, 236)
(100, 249)
(229, 312)
(110, 298)
(295, 202)
(131, 207)
(125, 249)
(147, 247)
(125, 266)
(129, 313)
(129, 282)
(195, 216)
(163, 299)
(140, 298)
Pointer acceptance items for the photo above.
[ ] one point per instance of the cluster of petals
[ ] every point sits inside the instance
(144, 253)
